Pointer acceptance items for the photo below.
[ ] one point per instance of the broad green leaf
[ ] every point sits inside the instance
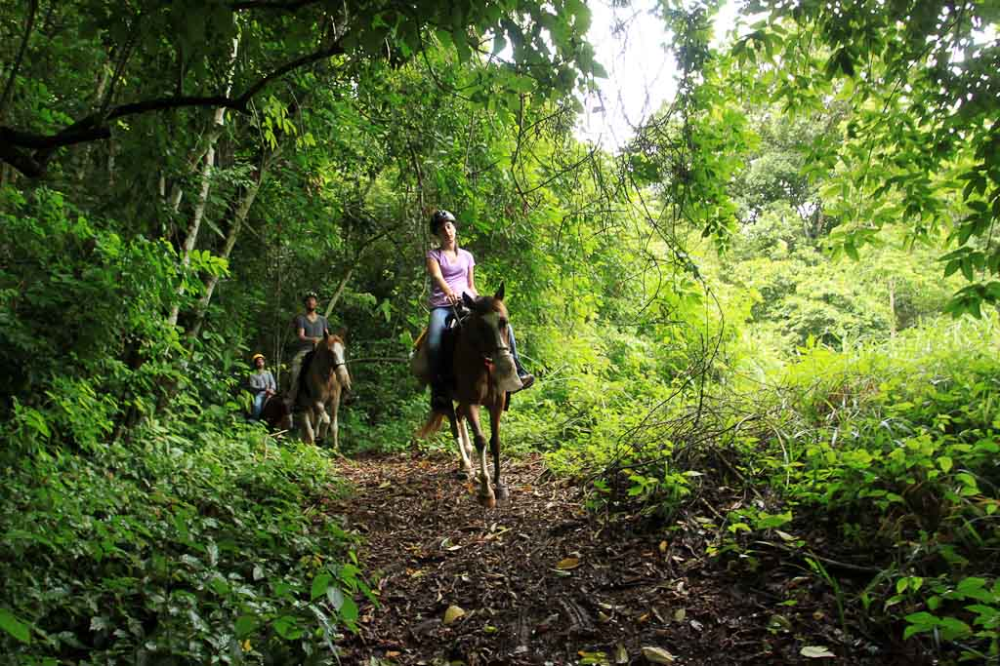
(245, 625)
(320, 585)
(15, 627)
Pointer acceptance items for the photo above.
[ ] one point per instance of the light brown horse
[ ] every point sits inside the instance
(483, 371)
(323, 381)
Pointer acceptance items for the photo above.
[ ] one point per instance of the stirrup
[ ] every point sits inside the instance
(527, 381)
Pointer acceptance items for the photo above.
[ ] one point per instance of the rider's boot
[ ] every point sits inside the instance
(527, 379)
(440, 399)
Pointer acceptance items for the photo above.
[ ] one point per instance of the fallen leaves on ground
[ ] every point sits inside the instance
(541, 580)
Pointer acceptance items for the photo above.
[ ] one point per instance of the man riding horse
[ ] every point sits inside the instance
(310, 328)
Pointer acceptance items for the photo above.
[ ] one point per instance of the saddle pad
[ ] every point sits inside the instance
(420, 339)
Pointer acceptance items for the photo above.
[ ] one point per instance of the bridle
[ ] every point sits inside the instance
(337, 361)
(461, 315)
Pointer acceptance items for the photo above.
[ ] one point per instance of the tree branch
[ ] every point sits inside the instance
(89, 129)
(92, 127)
(17, 159)
(69, 136)
(33, 4)
(334, 49)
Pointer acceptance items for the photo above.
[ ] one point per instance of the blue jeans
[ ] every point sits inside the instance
(435, 332)
(258, 405)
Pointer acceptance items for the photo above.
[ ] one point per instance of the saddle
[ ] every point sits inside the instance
(304, 372)
(420, 363)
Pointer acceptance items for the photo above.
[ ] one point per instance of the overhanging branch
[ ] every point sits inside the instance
(93, 127)
(20, 161)
(335, 49)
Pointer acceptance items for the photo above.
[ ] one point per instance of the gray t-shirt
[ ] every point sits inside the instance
(261, 381)
(314, 329)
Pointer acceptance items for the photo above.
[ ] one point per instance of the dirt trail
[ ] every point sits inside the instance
(542, 581)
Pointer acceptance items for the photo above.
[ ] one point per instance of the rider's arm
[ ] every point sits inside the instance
(434, 270)
(472, 282)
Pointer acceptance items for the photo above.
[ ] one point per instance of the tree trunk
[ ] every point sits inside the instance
(112, 152)
(206, 182)
(102, 84)
(242, 212)
(340, 290)
(12, 77)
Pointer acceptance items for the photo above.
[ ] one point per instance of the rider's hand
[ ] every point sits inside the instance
(452, 297)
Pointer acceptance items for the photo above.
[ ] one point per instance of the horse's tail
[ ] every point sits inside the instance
(433, 424)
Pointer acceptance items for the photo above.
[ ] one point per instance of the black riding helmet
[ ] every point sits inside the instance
(439, 218)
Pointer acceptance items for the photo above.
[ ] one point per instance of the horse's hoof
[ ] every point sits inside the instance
(463, 474)
(502, 493)
(489, 501)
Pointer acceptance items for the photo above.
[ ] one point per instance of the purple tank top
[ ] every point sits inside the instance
(455, 274)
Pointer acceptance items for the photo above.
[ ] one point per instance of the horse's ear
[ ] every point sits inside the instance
(469, 303)
(342, 333)
(499, 294)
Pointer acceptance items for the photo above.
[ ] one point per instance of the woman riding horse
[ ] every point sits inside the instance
(481, 365)
(452, 272)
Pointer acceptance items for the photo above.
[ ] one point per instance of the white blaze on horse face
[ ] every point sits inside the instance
(504, 371)
(338, 355)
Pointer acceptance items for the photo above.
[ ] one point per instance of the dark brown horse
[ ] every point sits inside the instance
(275, 414)
(322, 383)
(483, 371)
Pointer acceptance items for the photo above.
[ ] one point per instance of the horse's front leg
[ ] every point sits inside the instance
(322, 419)
(461, 436)
(496, 411)
(465, 442)
(308, 435)
(486, 496)
(334, 424)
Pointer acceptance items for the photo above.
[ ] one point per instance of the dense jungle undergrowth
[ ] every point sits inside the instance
(766, 420)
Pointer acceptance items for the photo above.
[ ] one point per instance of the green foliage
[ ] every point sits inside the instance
(892, 449)
(919, 143)
(748, 296)
(198, 546)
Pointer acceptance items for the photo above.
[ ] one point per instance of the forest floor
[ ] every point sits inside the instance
(540, 580)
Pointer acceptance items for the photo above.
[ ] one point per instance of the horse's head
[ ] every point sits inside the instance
(488, 333)
(335, 345)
